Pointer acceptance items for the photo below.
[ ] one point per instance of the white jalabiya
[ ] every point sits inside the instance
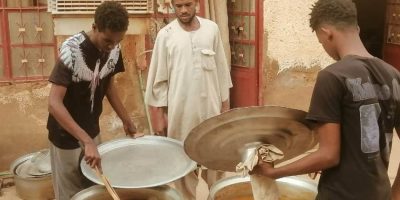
(188, 74)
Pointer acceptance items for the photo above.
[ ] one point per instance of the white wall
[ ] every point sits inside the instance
(290, 40)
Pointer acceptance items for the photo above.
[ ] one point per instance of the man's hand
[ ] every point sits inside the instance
(326, 156)
(130, 128)
(92, 156)
(159, 120)
(225, 106)
(162, 133)
(264, 169)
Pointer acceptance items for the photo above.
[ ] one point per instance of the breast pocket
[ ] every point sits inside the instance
(208, 59)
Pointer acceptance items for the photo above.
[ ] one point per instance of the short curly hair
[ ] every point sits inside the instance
(111, 15)
(339, 13)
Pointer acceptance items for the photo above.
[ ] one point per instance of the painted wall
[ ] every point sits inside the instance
(23, 106)
(293, 55)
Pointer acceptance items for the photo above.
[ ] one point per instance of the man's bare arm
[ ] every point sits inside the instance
(327, 155)
(116, 104)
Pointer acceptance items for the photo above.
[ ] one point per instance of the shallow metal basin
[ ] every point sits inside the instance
(239, 188)
(99, 192)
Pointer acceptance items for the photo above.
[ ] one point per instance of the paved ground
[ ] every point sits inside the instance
(202, 191)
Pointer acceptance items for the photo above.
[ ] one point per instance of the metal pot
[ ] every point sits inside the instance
(239, 188)
(99, 192)
(31, 187)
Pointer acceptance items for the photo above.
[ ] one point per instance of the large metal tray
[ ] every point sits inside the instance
(144, 162)
(221, 142)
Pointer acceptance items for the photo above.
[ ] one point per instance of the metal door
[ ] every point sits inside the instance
(245, 25)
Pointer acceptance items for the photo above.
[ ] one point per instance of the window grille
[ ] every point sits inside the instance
(27, 43)
(89, 6)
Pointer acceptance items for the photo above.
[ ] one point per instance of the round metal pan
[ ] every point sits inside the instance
(99, 192)
(144, 162)
(239, 188)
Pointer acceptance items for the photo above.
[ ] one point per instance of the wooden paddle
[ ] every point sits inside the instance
(106, 183)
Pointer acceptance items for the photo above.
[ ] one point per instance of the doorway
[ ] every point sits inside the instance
(245, 35)
(371, 19)
(379, 22)
(391, 49)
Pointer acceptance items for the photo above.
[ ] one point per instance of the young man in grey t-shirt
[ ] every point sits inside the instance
(355, 106)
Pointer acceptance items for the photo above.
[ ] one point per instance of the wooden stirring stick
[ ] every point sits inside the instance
(106, 183)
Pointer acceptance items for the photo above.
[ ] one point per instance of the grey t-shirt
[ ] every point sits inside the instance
(362, 95)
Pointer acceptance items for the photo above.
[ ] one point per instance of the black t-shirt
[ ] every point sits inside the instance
(75, 69)
(362, 95)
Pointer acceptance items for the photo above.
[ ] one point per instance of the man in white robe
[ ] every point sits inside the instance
(188, 80)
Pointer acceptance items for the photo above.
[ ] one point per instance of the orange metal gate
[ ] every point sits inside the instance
(246, 29)
(27, 43)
